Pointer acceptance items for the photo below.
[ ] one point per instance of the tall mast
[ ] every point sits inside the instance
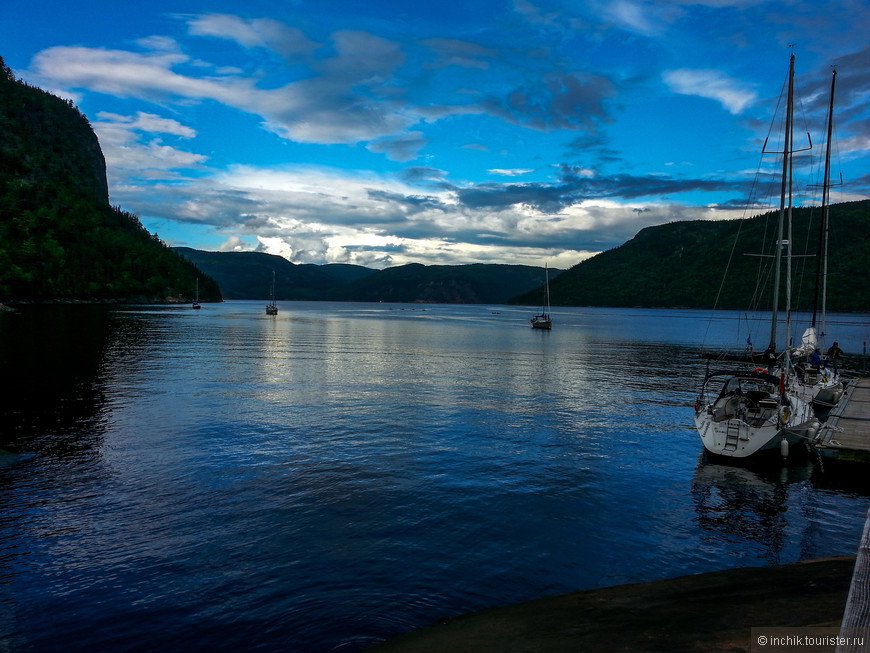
(784, 190)
(822, 254)
(547, 283)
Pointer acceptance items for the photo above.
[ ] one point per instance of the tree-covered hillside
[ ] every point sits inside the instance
(59, 237)
(476, 283)
(683, 264)
(248, 275)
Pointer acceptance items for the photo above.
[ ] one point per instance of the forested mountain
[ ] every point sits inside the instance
(59, 237)
(683, 264)
(476, 283)
(248, 275)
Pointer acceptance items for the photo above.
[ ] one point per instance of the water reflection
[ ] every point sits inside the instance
(781, 510)
(337, 473)
(54, 358)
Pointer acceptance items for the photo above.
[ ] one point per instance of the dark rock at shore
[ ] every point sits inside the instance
(707, 612)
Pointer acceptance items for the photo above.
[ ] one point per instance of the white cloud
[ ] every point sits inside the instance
(632, 16)
(131, 150)
(233, 244)
(149, 122)
(265, 33)
(713, 84)
(130, 74)
(510, 172)
(157, 42)
(316, 214)
(857, 144)
(346, 100)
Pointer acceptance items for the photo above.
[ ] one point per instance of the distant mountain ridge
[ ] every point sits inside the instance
(248, 275)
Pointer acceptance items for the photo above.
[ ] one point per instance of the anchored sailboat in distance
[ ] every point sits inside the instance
(272, 307)
(196, 301)
(543, 321)
(739, 414)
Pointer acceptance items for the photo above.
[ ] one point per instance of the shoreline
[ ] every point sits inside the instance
(712, 611)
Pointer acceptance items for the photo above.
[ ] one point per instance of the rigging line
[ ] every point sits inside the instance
(753, 203)
(752, 190)
(751, 200)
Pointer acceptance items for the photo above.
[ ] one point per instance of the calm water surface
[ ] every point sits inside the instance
(324, 479)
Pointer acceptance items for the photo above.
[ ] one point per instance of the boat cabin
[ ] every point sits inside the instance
(753, 398)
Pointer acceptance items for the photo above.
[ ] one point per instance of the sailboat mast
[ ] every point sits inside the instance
(547, 283)
(822, 253)
(785, 187)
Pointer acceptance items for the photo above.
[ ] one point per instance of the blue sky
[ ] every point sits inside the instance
(497, 131)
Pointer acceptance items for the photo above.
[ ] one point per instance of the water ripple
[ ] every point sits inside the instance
(222, 480)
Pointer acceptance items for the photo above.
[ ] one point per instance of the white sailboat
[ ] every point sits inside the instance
(817, 379)
(272, 307)
(543, 320)
(744, 413)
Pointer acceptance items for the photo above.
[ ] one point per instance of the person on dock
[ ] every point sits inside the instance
(834, 351)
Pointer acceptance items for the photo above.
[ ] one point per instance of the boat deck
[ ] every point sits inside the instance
(846, 435)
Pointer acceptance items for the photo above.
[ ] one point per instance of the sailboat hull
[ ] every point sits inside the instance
(750, 416)
(736, 438)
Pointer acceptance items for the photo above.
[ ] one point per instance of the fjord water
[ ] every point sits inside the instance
(323, 479)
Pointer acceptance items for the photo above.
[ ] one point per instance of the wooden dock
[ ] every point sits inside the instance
(845, 436)
(856, 616)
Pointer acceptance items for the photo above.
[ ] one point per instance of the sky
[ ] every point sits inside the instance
(389, 132)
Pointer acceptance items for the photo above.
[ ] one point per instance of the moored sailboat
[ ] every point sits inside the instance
(543, 320)
(817, 378)
(743, 413)
(196, 300)
(272, 307)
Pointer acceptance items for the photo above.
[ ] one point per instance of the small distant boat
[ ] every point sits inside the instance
(543, 320)
(196, 301)
(272, 307)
